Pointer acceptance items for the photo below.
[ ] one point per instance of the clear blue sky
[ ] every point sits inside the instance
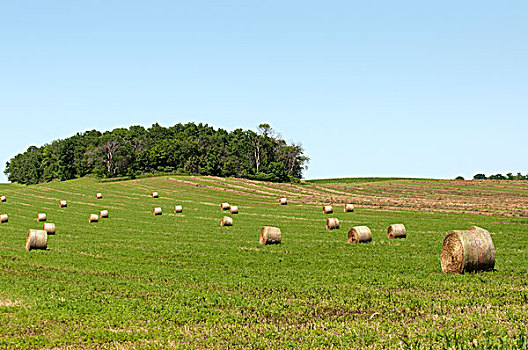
(370, 88)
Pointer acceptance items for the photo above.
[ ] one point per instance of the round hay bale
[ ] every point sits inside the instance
(155, 195)
(327, 209)
(178, 209)
(270, 235)
(233, 210)
(396, 231)
(41, 217)
(93, 218)
(349, 208)
(99, 196)
(359, 234)
(3, 199)
(36, 239)
(467, 251)
(226, 221)
(103, 214)
(4, 218)
(332, 223)
(63, 204)
(157, 211)
(283, 201)
(49, 228)
(225, 206)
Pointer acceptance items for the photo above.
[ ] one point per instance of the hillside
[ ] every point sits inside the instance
(136, 280)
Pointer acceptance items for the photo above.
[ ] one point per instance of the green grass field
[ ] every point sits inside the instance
(136, 280)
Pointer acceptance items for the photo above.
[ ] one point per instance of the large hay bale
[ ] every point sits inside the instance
(349, 208)
(226, 221)
(225, 206)
(233, 209)
(270, 235)
(49, 228)
(63, 204)
(359, 234)
(36, 239)
(154, 195)
(157, 211)
(3, 199)
(4, 218)
(467, 251)
(283, 201)
(327, 209)
(332, 223)
(41, 217)
(178, 209)
(93, 218)
(99, 196)
(103, 214)
(396, 231)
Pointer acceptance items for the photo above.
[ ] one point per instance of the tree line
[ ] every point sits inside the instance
(183, 148)
(508, 176)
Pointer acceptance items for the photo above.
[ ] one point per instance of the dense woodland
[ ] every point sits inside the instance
(184, 148)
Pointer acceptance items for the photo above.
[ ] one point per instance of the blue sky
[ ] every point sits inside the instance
(377, 88)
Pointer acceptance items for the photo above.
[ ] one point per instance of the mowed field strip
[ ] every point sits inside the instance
(179, 280)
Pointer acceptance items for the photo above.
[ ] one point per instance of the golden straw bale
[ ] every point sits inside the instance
(327, 209)
(49, 228)
(270, 235)
(332, 223)
(349, 208)
(36, 239)
(359, 234)
(93, 218)
(226, 221)
(396, 231)
(467, 251)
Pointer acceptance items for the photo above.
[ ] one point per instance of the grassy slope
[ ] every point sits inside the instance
(182, 280)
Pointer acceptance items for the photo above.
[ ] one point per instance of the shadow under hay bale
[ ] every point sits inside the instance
(154, 195)
(332, 223)
(63, 204)
(327, 209)
(349, 208)
(3, 199)
(103, 214)
(270, 235)
(4, 218)
(157, 211)
(283, 201)
(225, 206)
(467, 251)
(226, 221)
(36, 239)
(41, 217)
(396, 231)
(178, 209)
(233, 210)
(99, 196)
(359, 234)
(49, 228)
